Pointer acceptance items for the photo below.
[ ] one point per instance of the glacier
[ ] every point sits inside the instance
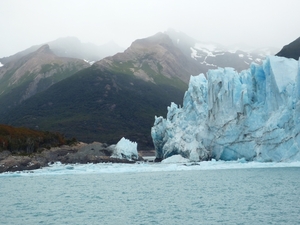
(252, 115)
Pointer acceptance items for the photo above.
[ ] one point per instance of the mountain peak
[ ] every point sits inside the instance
(292, 50)
(66, 41)
(44, 49)
(158, 38)
(157, 56)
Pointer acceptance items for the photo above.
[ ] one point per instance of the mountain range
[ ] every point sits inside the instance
(174, 54)
(115, 97)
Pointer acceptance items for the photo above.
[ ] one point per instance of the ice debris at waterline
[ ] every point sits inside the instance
(125, 149)
(175, 159)
(254, 115)
(109, 168)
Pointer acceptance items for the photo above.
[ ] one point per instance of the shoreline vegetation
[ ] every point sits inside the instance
(26, 149)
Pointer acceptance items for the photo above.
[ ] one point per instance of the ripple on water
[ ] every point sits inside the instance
(239, 196)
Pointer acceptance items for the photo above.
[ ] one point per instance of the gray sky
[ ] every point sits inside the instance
(258, 23)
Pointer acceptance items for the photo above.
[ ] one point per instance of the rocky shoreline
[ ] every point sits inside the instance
(80, 153)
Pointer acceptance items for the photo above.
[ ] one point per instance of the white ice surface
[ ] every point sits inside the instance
(106, 168)
(194, 53)
(89, 62)
(228, 115)
(125, 149)
(285, 71)
(175, 159)
(202, 46)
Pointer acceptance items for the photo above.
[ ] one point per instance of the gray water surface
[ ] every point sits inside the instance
(230, 196)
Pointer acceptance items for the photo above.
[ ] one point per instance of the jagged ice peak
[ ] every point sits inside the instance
(227, 115)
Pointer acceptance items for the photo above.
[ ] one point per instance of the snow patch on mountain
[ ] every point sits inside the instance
(89, 62)
(194, 53)
(207, 47)
(214, 56)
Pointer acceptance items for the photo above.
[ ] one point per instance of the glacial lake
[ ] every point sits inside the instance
(209, 193)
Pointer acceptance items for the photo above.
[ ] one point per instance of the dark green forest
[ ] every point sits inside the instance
(95, 105)
(24, 141)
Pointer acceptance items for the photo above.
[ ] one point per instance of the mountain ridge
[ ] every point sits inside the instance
(292, 50)
(71, 47)
(35, 72)
(156, 52)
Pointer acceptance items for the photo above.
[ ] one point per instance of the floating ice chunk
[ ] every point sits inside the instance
(175, 159)
(125, 149)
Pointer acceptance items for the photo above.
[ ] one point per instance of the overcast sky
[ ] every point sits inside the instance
(258, 23)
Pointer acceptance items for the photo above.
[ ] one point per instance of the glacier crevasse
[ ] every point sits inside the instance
(227, 115)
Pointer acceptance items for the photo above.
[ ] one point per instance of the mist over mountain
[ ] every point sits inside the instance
(212, 55)
(175, 54)
(22, 78)
(72, 47)
(152, 56)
